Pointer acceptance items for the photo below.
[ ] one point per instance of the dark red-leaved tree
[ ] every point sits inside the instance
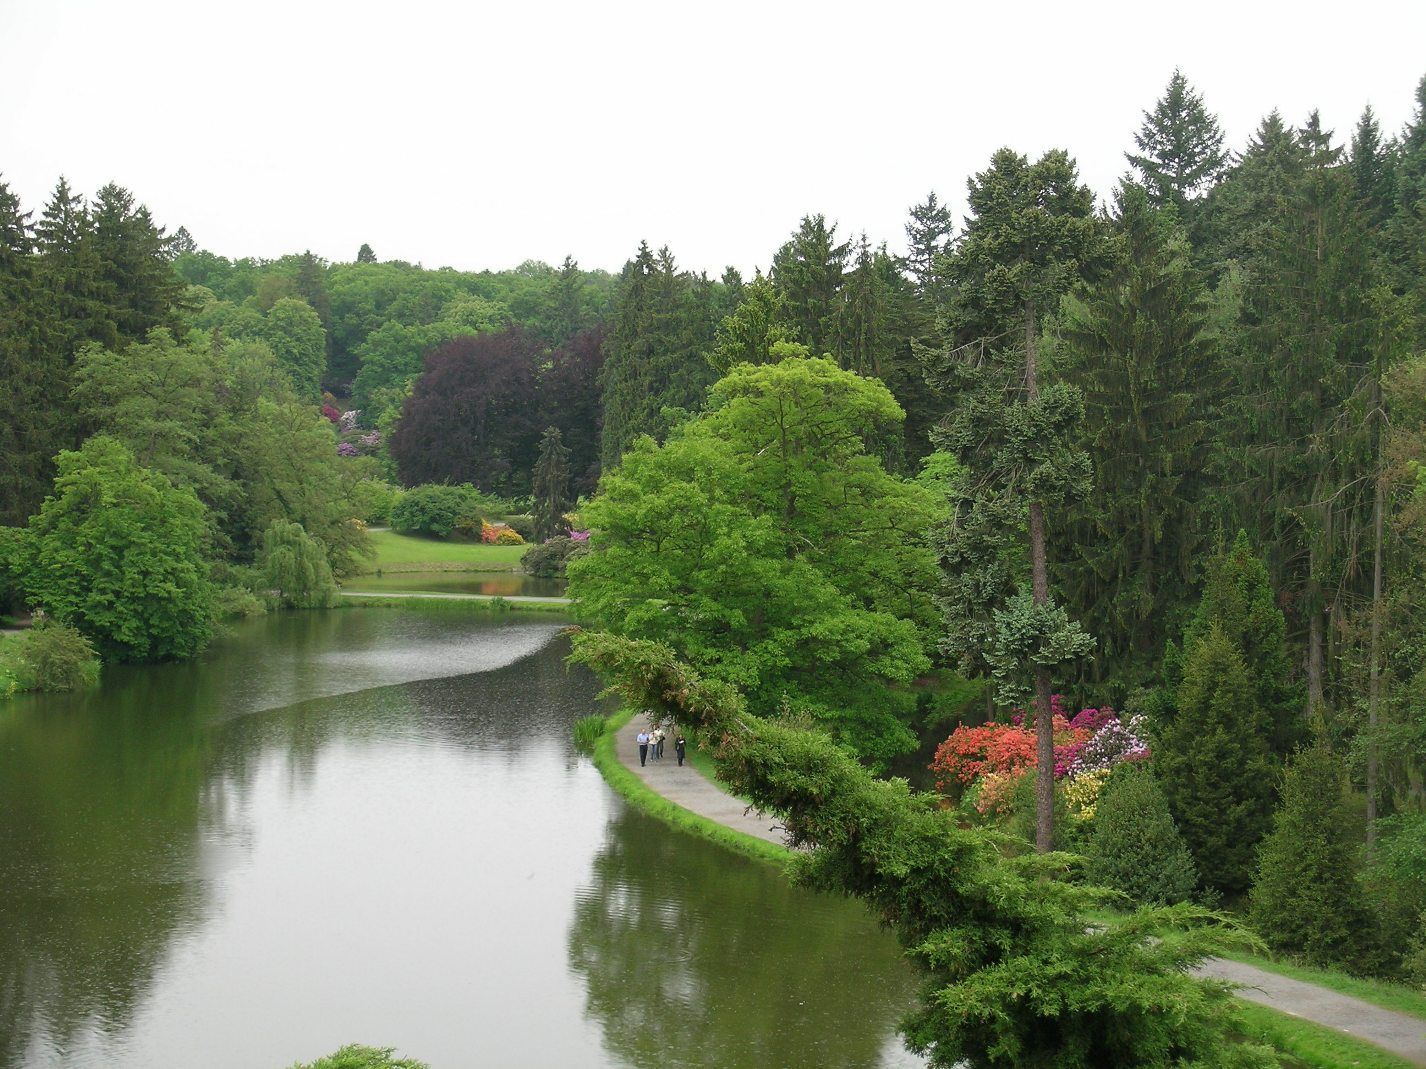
(570, 400)
(473, 415)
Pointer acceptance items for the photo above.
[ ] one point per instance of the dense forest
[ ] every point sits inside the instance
(1164, 455)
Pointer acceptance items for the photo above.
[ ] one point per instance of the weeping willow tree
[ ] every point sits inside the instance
(1014, 975)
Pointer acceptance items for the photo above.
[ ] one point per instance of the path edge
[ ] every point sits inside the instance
(644, 798)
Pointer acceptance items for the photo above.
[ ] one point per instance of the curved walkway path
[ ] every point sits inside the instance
(1399, 1033)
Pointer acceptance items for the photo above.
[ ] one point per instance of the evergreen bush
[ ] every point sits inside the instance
(549, 558)
(1136, 848)
(1306, 900)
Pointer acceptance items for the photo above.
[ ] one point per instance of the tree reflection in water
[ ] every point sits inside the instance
(698, 957)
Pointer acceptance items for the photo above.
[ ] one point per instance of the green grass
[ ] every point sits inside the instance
(1381, 993)
(637, 793)
(587, 731)
(1311, 1044)
(415, 553)
(488, 605)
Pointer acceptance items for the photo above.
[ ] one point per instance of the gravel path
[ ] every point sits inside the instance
(1399, 1033)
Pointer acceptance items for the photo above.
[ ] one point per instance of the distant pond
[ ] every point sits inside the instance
(371, 826)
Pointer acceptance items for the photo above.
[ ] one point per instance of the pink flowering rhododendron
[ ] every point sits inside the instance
(346, 449)
(987, 759)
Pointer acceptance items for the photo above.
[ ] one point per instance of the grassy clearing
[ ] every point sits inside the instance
(637, 793)
(1312, 1045)
(415, 553)
(486, 605)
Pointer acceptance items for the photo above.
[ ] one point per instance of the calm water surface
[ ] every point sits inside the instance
(370, 826)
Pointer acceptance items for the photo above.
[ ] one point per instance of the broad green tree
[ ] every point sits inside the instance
(765, 541)
(1030, 237)
(294, 332)
(118, 552)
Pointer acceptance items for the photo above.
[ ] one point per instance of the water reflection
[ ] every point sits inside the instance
(694, 957)
(370, 825)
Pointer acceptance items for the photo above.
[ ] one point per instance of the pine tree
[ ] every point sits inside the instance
(807, 272)
(550, 484)
(928, 238)
(1373, 170)
(1136, 848)
(755, 331)
(867, 339)
(1180, 146)
(365, 255)
(1031, 235)
(1139, 348)
(1213, 760)
(1306, 900)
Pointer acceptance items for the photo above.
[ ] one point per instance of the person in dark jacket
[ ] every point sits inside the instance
(679, 745)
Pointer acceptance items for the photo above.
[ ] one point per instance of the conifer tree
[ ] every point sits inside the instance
(365, 255)
(1139, 348)
(1372, 162)
(1136, 848)
(1030, 237)
(754, 330)
(928, 238)
(1213, 761)
(1306, 900)
(1180, 146)
(807, 272)
(550, 484)
(867, 335)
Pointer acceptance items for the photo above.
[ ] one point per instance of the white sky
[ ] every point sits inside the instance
(480, 134)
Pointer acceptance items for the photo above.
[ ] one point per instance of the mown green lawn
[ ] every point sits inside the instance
(413, 553)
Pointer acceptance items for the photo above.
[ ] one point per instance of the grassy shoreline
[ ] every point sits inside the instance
(1313, 1045)
(639, 794)
(488, 605)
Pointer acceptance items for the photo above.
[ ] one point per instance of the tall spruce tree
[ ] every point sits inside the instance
(1139, 348)
(808, 273)
(656, 353)
(928, 238)
(1180, 146)
(550, 486)
(1213, 760)
(1030, 236)
(1306, 900)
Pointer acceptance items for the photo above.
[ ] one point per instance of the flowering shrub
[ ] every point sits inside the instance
(986, 761)
(499, 534)
(346, 449)
(347, 421)
(331, 413)
(370, 441)
(579, 536)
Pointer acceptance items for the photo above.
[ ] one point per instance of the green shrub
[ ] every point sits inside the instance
(587, 730)
(374, 499)
(236, 603)
(356, 1056)
(12, 552)
(51, 657)
(434, 509)
(1306, 900)
(549, 558)
(1136, 848)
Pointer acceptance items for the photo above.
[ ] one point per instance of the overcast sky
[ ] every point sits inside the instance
(481, 134)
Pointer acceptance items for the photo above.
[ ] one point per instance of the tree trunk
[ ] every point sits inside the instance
(1040, 586)
(1374, 678)
(1314, 660)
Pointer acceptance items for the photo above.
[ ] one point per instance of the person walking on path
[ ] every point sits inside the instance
(643, 740)
(679, 745)
(658, 743)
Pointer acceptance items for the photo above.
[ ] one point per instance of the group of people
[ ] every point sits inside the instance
(651, 745)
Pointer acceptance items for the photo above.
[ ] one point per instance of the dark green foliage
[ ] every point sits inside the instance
(807, 272)
(548, 559)
(436, 509)
(1180, 146)
(1136, 848)
(756, 331)
(1014, 975)
(1213, 760)
(656, 367)
(51, 657)
(365, 255)
(1306, 898)
(356, 1056)
(1394, 883)
(118, 552)
(1138, 348)
(928, 239)
(1238, 599)
(550, 486)
(12, 569)
(294, 567)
